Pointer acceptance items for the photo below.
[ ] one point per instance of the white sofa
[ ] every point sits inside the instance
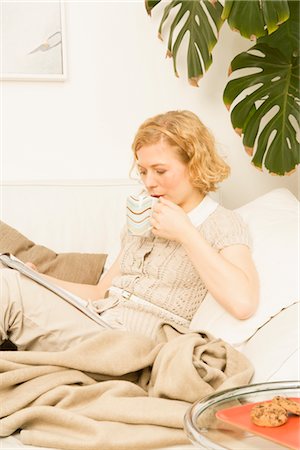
(88, 217)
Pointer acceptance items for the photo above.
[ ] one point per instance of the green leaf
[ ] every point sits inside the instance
(245, 16)
(227, 9)
(201, 21)
(286, 38)
(150, 4)
(275, 13)
(254, 18)
(275, 92)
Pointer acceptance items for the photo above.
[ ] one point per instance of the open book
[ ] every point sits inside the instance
(83, 305)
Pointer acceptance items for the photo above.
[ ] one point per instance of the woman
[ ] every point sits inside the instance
(195, 246)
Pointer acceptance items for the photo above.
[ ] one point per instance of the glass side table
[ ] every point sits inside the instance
(207, 432)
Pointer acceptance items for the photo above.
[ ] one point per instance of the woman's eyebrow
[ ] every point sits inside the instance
(158, 164)
(154, 165)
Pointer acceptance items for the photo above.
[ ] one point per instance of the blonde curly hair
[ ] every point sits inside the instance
(194, 144)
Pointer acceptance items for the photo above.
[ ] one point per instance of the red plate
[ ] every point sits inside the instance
(287, 435)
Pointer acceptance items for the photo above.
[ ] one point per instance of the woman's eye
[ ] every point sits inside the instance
(160, 172)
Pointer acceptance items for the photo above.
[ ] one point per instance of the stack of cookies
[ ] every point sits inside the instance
(274, 413)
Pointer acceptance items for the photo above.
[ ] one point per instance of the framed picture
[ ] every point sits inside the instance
(33, 41)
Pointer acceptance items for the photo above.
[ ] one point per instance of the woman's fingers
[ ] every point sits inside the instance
(165, 201)
(31, 265)
(154, 222)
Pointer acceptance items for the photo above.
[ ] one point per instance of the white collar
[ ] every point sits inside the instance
(201, 212)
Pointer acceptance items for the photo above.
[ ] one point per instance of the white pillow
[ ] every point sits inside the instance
(278, 342)
(273, 222)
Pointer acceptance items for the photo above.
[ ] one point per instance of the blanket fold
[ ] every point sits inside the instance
(115, 391)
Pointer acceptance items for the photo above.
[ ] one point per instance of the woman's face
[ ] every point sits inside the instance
(165, 175)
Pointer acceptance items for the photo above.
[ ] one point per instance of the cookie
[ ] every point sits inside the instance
(268, 414)
(289, 405)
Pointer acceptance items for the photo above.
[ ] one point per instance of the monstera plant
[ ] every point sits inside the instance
(264, 102)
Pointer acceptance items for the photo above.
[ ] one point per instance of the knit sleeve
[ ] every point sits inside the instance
(224, 228)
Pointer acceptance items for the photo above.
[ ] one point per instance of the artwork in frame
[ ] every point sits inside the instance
(33, 41)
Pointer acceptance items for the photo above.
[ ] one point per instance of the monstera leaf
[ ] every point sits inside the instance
(268, 117)
(264, 116)
(196, 19)
(255, 18)
(150, 5)
(265, 102)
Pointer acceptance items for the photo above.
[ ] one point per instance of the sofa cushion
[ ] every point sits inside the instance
(273, 223)
(75, 267)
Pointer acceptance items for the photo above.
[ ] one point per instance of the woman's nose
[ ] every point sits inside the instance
(150, 180)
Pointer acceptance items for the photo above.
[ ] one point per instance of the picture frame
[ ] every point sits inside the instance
(33, 44)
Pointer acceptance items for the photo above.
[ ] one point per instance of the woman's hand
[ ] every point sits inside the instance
(169, 221)
(32, 266)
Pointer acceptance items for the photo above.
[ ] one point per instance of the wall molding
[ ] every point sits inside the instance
(72, 183)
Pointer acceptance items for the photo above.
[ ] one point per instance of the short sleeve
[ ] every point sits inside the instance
(224, 228)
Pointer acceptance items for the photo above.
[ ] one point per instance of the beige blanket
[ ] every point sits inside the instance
(117, 390)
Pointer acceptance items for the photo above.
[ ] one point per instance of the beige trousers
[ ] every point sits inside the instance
(34, 318)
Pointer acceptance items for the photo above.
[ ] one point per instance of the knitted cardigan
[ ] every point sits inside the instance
(160, 272)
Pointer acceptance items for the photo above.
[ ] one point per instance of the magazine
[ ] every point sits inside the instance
(83, 305)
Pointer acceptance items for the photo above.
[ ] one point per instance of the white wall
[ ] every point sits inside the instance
(117, 77)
